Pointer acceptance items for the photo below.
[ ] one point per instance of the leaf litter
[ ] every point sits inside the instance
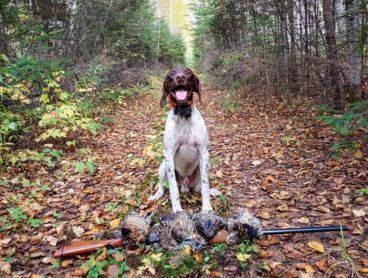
(274, 160)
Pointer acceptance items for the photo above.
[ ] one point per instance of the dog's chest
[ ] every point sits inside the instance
(188, 145)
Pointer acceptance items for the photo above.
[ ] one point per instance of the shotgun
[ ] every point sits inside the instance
(88, 246)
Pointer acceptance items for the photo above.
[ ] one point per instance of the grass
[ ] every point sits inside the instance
(345, 259)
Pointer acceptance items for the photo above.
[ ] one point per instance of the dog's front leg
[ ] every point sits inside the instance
(173, 186)
(205, 187)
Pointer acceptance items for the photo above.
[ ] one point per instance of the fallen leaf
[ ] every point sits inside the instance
(264, 215)
(323, 264)
(198, 257)
(48, 260)
(37, 238)
(5, 241)
(256, 162)
(309, 269)
(114, 223)
(5, 267)
(219, 174)
(52, 240)
(113, 271)
(66, 263)
(187, 250)
(118, 257)
(358, 154)
(316, 246)
(339, 181)
(303, 220)
(358, 212)
(78, 231)
(36, 276)
(242, 257)
(325, 222)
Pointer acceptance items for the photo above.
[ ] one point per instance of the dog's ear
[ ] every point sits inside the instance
(165, 91)
(197, 87)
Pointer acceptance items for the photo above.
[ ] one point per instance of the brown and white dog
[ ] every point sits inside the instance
(186, 160)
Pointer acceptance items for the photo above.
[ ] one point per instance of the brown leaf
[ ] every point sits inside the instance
(37, 238)
(325, 222)
(358, 154)
(323, 264)
(118, 257)
(52, 240)
(302, 220)
(102, 256)
(5, 267)
(66, 263)
(113, 271)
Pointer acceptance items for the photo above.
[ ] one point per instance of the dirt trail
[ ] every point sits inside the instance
(273, 160)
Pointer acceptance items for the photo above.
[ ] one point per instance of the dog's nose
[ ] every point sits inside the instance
(180, 79)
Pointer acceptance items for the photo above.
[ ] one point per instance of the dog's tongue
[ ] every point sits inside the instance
(181, 94)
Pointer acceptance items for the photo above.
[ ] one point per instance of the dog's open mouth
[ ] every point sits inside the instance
(181, 93)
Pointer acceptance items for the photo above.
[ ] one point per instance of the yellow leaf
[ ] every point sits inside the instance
(156, 257)
(242, 257)
(316, 246)
(187, 250)
(149, 152)
(309, 268)
(36, 276)
(364, 270)
(198, 257)
(114, 223)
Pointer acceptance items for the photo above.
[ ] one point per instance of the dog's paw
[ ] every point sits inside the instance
(214, 192)
(207, 209)
(176, 209)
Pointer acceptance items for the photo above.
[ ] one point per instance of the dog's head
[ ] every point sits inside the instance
(179, 86)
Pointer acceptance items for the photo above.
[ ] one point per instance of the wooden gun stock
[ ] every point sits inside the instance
(86, 246)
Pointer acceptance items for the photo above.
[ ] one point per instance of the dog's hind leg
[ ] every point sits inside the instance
(161, 181)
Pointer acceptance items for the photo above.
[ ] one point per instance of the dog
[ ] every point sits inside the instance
(186, 159)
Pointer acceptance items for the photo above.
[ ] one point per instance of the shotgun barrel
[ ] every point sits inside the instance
(312, 229)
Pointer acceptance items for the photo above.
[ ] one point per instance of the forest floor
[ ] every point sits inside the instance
(270, 158)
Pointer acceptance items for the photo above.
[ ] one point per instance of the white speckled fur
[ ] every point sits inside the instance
(186, 143)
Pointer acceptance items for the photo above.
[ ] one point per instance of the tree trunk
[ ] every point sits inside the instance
(333, 65)
(354, 71)
(293, 73)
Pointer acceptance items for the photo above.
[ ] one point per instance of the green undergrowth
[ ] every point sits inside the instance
(350, 125)
(182, 263)
(41, 120)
